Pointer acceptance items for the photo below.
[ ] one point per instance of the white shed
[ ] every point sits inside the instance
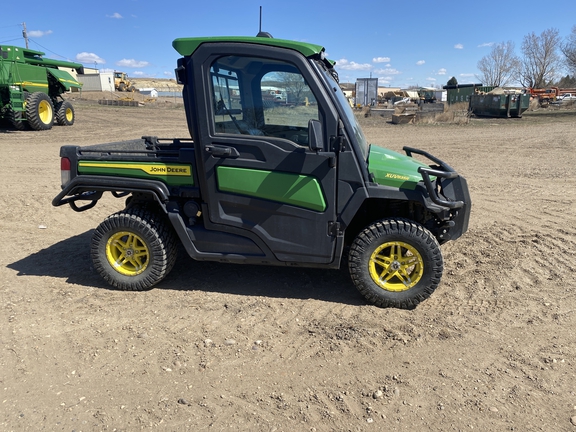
(150, 92)
(103, 81)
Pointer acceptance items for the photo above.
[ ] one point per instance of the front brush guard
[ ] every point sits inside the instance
(445, 171)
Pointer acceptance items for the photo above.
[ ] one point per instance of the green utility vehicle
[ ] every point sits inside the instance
(31, 89)
(292, 184)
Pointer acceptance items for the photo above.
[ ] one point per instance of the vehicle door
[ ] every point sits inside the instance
(262, 179)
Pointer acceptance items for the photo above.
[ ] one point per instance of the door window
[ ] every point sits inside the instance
(261, 97)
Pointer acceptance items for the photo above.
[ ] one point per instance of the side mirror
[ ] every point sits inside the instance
(315, 140)
(180, 71)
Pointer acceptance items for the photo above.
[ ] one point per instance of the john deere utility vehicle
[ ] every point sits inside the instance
(293, 184)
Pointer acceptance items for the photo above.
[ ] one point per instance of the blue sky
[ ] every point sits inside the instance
(401, 43)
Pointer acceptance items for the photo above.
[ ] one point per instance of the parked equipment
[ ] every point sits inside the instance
(288, 185)
(122, 82)
(31, 89)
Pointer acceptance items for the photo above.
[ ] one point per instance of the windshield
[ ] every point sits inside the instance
(347, 112)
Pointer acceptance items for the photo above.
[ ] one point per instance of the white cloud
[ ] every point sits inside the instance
(380, 59)
(387, 71)
(350, 65)
(86, 57)
(486, 44)
(131, 63)
(459, 46)
(466, 75)
(169, 74)
(39, 33)
(420, 62)
(115, 15)
(431, 79)
(442, 71)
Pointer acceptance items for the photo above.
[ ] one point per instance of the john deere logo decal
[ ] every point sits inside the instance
(151, 169)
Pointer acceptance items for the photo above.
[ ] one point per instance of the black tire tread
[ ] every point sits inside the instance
(61, 118)
(381, 298)
(147, 223)
(15, 118)
(32, 114)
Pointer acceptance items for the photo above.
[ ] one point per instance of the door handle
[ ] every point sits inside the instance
(221, 151)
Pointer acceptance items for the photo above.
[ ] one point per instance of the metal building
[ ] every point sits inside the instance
(366, 91)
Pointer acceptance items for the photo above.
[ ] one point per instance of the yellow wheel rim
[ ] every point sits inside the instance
(396, 266)
(69, 114)
(127, 253)
(45, 112)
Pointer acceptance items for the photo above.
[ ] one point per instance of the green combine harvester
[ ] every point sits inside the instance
(31, 89)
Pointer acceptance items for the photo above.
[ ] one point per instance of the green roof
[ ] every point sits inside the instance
(186, 46)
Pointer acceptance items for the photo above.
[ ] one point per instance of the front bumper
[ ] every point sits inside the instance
(448, 190)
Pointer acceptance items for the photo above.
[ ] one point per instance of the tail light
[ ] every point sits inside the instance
(64, 170)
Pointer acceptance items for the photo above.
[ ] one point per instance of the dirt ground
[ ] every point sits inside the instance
(230, 347)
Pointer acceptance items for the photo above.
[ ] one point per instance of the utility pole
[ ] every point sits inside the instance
(25, 34)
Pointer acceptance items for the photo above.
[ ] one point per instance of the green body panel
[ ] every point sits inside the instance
(294, 189)
(186, 46)
(394, 169)
(64, 78)
(29, 77)
(171, 174)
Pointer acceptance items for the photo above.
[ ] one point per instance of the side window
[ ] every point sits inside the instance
(261, 97)
(226, 100)
(288, 105)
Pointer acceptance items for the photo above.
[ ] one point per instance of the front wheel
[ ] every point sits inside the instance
(134, 249)
(39, 111)
(395, 263)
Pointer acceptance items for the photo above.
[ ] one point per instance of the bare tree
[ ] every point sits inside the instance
(569, 50)
(499, 67)
(295, 85)
(541, 59)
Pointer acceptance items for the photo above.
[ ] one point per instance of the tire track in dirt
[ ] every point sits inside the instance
(487, 269)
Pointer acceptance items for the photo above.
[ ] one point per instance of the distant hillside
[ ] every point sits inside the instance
(159, 84)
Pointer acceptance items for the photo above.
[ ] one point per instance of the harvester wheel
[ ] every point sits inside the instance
(39, 111)
(16, 119)
(65, 113)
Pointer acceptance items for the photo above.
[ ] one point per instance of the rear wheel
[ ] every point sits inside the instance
(396, 263)
(39, 111)
(16, 119)
(134, 249)
(65, 113)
